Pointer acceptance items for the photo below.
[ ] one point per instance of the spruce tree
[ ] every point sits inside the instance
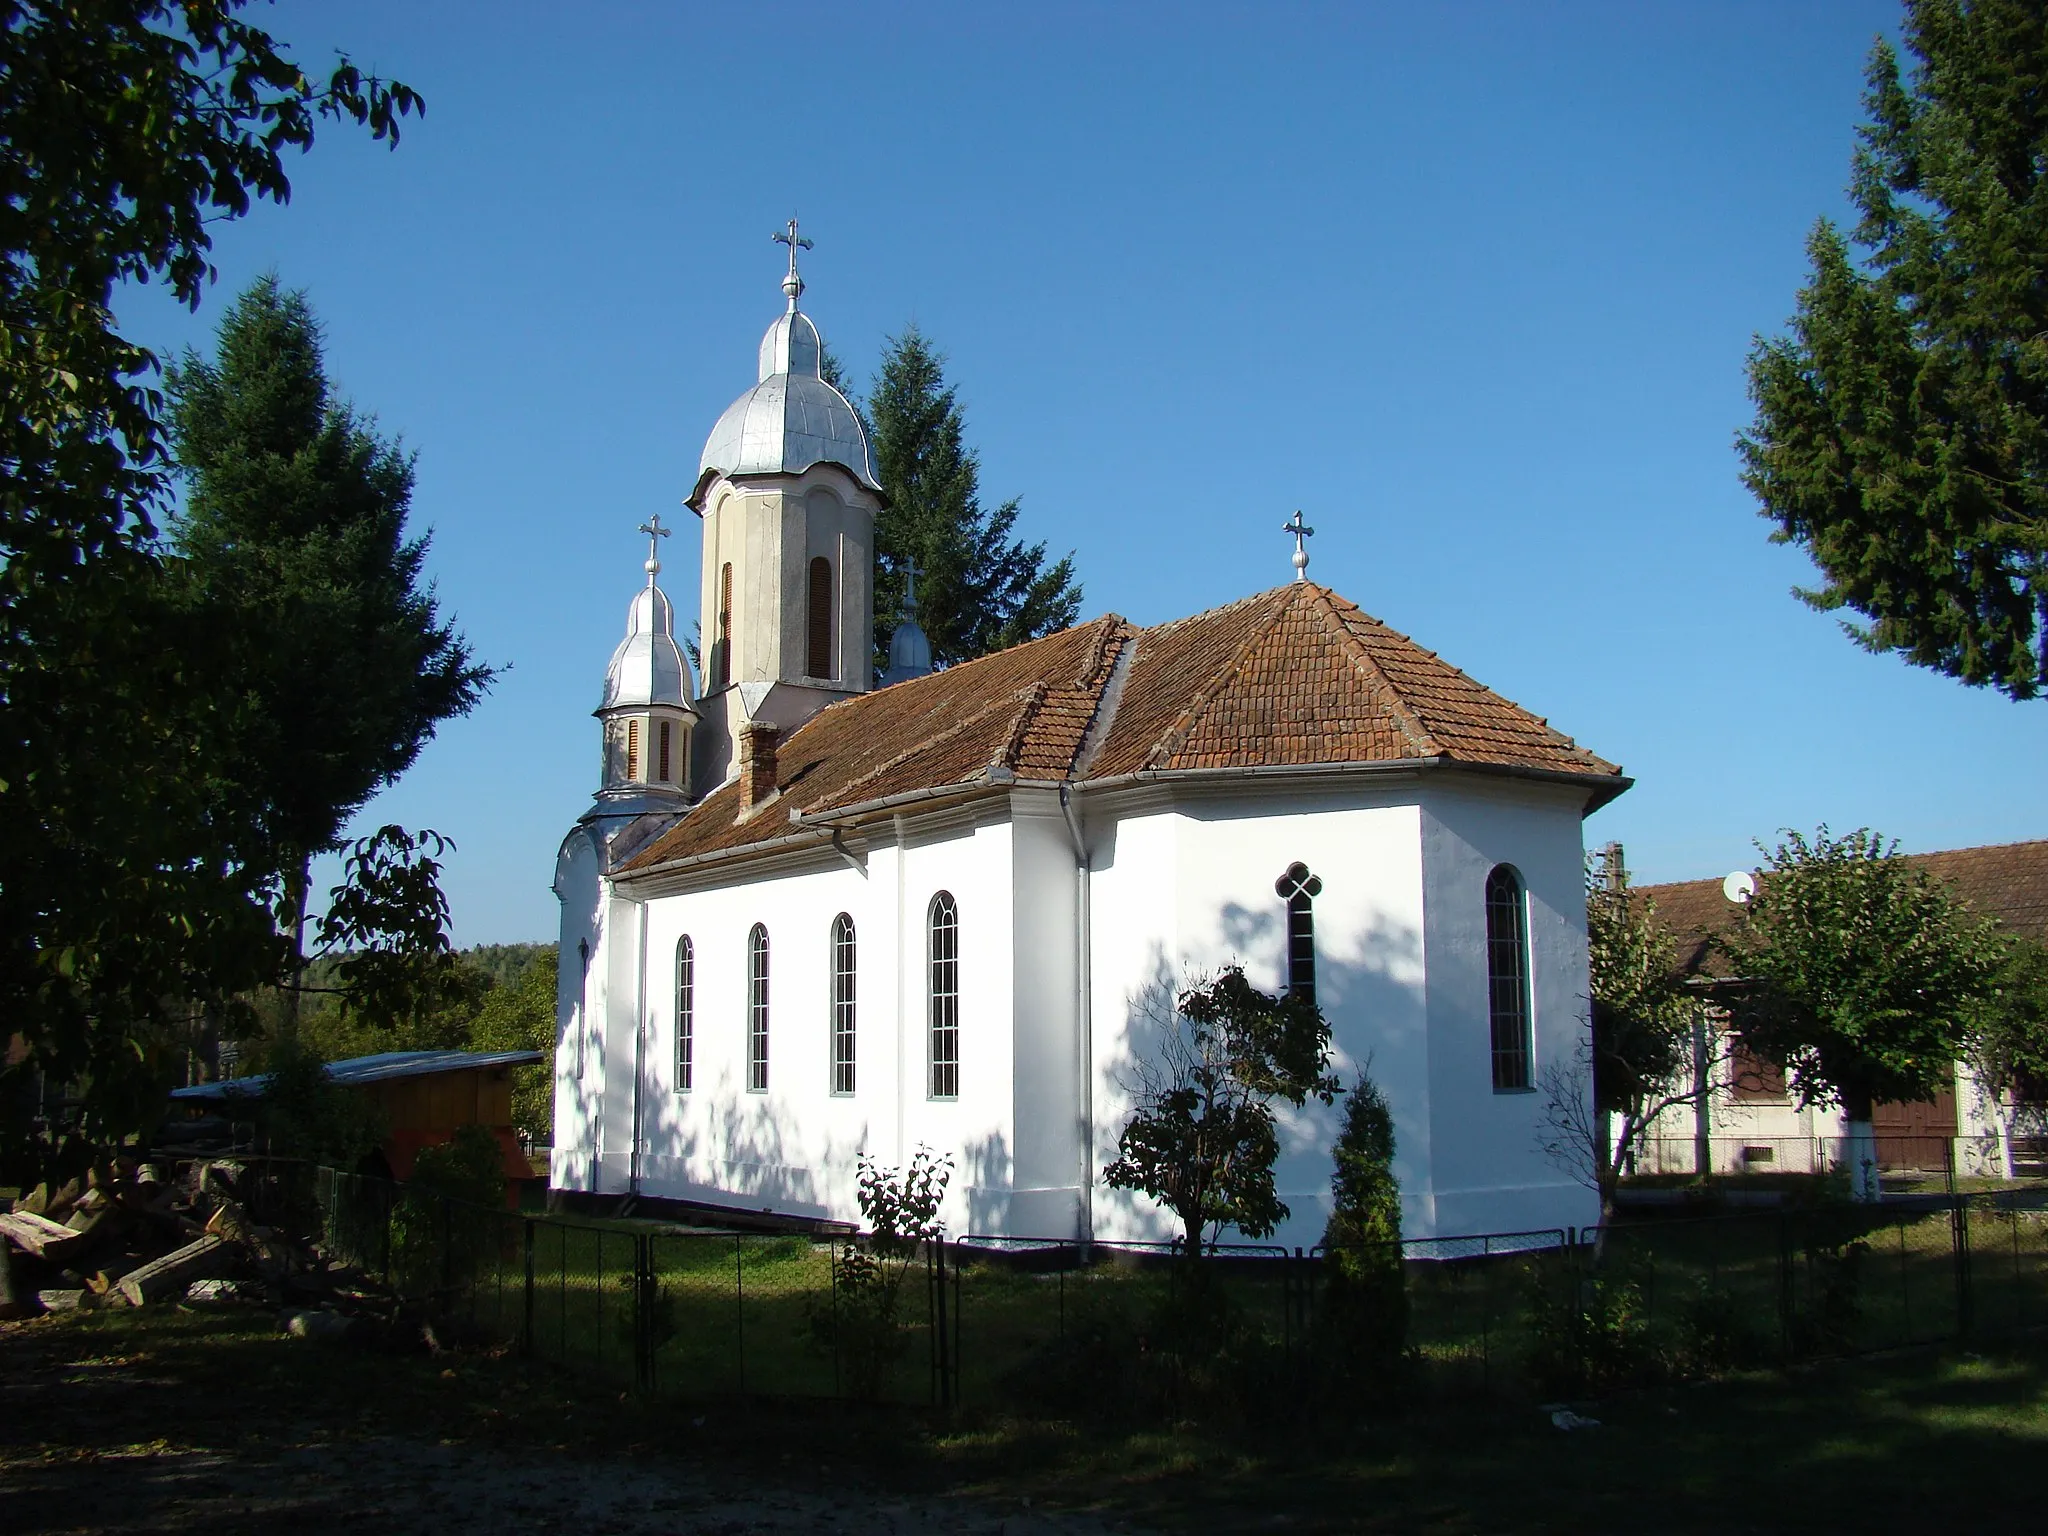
(1901, 434)
(293, 542)
(978, 589)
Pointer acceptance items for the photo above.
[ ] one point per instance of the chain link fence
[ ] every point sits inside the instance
(1002, 1323)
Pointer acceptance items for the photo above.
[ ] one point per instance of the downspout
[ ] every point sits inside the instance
(639, 1047)
(1084, 1012)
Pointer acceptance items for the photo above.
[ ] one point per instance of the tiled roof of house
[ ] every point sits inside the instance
(2006, 881)
(1289, 678)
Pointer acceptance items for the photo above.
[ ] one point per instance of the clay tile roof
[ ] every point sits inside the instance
(1288, 678)
(2007, 881)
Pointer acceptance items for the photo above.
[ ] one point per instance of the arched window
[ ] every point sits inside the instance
(632, 749)
(721, 644)
(757, 1010)
(1299, 889)
(582, 1020)
(842, 1004)
(666, 776)
(818, 663)
(686, 1013)
(943, 955)
(1507, 979)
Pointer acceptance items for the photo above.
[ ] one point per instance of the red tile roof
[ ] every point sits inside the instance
(1289, 678)
(2006, 881)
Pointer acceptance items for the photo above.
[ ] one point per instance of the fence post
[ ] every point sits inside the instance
(937, 1320)
(526, 1336)
(643, 1311)
(447, 1246)
(739, 1311)
(1959, 1230)
(1787, 1301)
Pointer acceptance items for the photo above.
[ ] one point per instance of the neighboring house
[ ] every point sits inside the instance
(1752, 1124)
(808, 919)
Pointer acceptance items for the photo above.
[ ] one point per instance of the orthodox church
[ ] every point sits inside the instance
(813, 913)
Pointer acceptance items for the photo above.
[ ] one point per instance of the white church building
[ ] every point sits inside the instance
(814, 913)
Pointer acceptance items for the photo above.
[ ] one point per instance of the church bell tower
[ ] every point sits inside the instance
(788, 495)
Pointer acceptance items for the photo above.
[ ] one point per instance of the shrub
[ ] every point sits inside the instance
(446, 1221)
(860, 1324)
(1364, 1314)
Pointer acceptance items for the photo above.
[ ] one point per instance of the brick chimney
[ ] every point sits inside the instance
(757, 765)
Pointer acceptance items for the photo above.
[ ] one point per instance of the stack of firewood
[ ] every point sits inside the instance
(130, 1234)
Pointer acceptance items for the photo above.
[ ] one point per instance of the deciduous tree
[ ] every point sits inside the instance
(1863, 974)
(129, 130)
(1201, 1139)
(1901, 433)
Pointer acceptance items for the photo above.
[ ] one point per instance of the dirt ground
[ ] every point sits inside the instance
(203, 1418)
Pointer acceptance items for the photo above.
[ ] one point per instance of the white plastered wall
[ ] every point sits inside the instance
(1488, 1173)
(796, 1147)
(1181, 889)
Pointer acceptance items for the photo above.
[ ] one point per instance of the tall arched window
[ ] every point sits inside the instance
(1507, 979)
(633, 749)
(943, 955)
(842, 1004)
(1299, 889)
(818, 661)
(686, 1013)
(721, 643)
(757, 1010)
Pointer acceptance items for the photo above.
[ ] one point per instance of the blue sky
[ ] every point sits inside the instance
(1471, 285)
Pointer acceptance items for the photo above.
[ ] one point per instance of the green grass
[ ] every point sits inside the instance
(1919, 1440)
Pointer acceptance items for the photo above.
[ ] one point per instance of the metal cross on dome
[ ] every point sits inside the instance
(910, 575)
(793, 284)
(1300, 530)
(655, 534)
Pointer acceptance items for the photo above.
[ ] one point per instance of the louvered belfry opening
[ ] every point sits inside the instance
(721, 644)
(818, 657)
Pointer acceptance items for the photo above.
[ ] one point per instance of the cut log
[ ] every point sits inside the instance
(230, 1221)
(15, 1302)
(169, 1275)
(44, 1238)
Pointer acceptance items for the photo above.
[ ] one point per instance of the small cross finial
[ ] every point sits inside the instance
(655, 534)
(1301, 531)
(910, 575)
(793, 284)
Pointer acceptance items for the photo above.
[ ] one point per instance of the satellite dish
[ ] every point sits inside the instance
(1739, 886)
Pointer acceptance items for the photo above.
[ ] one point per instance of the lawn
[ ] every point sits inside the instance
(207, 1418)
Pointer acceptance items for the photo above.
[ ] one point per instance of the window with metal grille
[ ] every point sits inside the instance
(757, 1010)
(1507, 979)
(819, 662)
(632, 749)
(842, 1004)
(686, 1013)
(721, 645)
(943, 952)
(666, 776)
(1299, 889)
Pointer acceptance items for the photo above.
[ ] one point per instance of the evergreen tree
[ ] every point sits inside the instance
(1901, 434)
(293, 541)
(1365, 1295)
(978, 589)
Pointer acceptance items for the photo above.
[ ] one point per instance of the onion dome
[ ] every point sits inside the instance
(648, 667)
(791, 419)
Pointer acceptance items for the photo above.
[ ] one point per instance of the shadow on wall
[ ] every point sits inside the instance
(1370, 984)
(985, 1177)
(730, 1146)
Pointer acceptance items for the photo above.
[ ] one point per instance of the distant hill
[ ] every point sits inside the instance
(503, 964)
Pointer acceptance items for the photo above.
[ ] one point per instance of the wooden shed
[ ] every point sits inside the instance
(424, 1097)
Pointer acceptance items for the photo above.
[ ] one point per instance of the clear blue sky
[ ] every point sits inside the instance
(1471, 285)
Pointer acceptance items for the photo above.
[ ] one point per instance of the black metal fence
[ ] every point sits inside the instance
(990, 1321)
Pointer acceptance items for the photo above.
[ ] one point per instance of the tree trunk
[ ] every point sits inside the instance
(1859, 1148)
(299, 883)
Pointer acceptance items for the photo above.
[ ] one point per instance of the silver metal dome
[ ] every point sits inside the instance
(792, 418)
(648, 667)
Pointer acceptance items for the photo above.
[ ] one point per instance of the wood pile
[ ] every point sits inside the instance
(138, 1234)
